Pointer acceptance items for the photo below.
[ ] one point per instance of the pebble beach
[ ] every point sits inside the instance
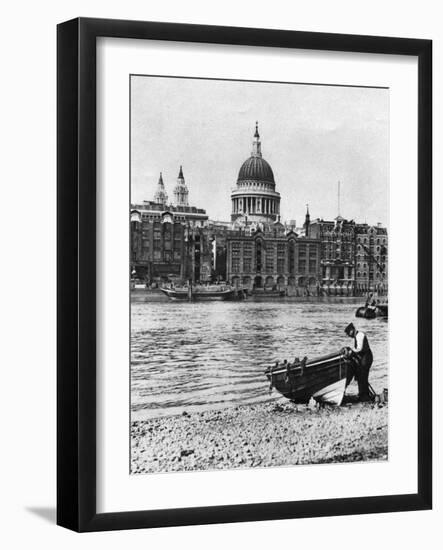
(276, 433)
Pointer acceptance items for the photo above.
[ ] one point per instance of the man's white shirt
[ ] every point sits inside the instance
(359, 338)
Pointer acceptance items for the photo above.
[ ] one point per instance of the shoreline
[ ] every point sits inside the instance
(261, 435)
(144, 295)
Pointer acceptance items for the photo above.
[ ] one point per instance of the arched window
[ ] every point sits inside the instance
(258, 255)
(291, 258)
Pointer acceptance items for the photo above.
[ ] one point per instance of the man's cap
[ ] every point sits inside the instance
(349, 328)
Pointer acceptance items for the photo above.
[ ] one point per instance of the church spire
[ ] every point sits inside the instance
(160, 196)
(307, 221)
(256, 144)
(180, 190)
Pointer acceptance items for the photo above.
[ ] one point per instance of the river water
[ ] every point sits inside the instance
(208, 355)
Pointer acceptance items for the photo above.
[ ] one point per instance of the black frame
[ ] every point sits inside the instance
(76, 273)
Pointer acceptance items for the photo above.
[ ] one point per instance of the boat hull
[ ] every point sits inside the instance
(332, 394)
(299, 383)
(380, 310)
(198, 295)
(366, 312)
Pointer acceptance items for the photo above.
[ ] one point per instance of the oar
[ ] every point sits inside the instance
(372, 393)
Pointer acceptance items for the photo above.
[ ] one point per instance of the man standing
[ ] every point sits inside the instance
(363, 357)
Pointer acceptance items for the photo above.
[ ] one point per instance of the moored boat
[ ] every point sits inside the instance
(211, 292)
(366, 312)
(323, 378)
(137, 284)
(377, 309)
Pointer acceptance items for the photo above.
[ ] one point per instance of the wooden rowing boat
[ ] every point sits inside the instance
(323, 378)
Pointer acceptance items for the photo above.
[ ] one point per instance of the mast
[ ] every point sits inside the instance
(338, 197)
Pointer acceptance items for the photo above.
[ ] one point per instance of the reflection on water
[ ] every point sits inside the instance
(195, 356)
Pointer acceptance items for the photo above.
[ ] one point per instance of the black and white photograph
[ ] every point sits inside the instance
(221, 265)
(258, 274)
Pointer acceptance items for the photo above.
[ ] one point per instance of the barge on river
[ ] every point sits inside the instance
(210, 292)
(323, 378)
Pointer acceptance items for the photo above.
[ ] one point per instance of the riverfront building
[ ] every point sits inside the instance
(273, 259)
(167, 249)
(371, 259)
(170, 241)
(353, 256)
(337, 264)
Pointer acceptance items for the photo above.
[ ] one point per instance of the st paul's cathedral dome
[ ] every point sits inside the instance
(254, 198)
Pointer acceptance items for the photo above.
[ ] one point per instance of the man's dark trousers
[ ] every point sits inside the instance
(362, 374)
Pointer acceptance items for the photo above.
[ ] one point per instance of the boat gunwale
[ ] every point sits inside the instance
(271, 371)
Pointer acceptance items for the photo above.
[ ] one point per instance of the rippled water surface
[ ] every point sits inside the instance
(203, 355)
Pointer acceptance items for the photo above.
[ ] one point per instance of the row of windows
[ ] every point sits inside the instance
(270, 265)
(364, 274)
(255, 185)
(271, 249)
(364, 264)
(378, 248)
(348, 238)
(337, 253)
(368, 257)
(167, 245)
(167, 256)
(177, 219)
(365, 240)
(341, 237)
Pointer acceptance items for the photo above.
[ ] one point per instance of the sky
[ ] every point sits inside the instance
(312, 136)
